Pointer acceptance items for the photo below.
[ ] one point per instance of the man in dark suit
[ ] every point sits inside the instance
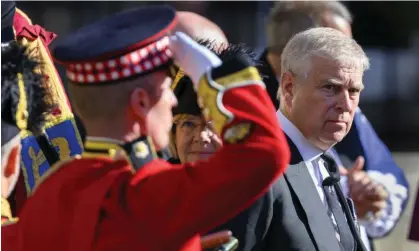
(321, 82)
(304, 210)
(376, 166)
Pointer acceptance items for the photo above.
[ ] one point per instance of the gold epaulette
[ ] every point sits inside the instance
(137, 153)
(210, 94)
(102, 147)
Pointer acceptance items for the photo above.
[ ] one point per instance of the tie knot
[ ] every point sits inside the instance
(332, 168)
(330, 163)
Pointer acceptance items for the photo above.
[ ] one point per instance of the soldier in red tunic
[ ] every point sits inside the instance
(119, 196)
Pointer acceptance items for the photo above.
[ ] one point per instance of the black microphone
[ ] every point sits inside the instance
(331, 180)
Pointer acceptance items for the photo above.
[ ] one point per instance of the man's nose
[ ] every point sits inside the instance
(345, 103)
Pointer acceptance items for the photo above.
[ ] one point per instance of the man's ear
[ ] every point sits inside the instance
(287, 87)
(140, 102)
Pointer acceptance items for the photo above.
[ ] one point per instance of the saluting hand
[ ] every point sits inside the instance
(192, 57)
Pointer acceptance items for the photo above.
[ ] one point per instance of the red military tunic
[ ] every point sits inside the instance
(99, 203)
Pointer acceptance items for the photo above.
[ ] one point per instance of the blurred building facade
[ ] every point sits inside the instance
(389, 32)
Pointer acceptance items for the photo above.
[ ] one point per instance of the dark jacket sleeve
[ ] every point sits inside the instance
(251, 226)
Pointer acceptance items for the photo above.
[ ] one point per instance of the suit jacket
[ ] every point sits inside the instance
(251, 226)
(300, 221)
(290, 216)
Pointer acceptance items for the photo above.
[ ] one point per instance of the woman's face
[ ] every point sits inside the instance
(194, 139)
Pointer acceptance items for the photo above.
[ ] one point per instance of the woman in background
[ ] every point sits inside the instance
(192, 139)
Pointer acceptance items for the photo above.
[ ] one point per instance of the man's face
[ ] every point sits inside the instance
(10, 160)
(194, 139)
(159, 117)
(322, 106)
(336, 22)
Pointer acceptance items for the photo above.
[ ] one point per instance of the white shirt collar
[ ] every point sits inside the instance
(308, 151)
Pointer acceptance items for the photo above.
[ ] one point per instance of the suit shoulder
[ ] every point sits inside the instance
(278, 188)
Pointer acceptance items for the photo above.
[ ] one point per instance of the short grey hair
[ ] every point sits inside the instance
(321, 42)
(287, 18)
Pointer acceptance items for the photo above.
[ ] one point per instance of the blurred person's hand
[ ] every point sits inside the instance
(214, 240)
(368, 195)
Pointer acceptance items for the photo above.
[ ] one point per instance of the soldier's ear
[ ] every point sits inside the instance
(140, 102)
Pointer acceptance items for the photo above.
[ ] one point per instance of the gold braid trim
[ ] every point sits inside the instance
(179, 75)
(22, 112)
(56, 95)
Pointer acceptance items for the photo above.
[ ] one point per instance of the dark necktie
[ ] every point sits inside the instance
(347, 241)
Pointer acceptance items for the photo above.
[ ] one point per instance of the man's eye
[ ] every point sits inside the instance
(328, 87)
(354, 91)
(332, 88)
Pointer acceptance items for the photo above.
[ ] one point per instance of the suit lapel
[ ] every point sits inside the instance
(301, 183)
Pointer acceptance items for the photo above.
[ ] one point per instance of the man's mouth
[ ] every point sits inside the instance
(337, 121)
